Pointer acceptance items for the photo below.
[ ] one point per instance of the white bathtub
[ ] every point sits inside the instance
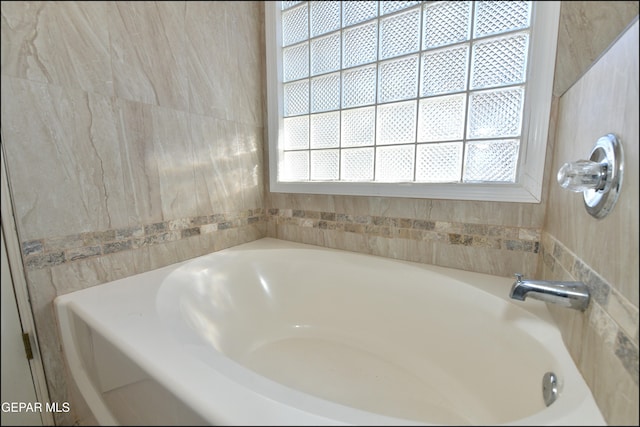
(275, 332)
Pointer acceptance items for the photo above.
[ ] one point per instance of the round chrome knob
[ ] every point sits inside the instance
(599, 178)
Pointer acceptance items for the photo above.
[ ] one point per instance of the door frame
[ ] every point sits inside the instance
(14, 255)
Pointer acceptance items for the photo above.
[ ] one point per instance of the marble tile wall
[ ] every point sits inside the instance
(132, 133)
(586, 29)
(603, 253)
(443, 239)
(127, 126)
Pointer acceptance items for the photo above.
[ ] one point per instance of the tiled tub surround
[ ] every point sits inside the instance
(445, 243)
(606, 335)
(576, 246)
(47, 252)
(116, 114)
(132, 138)
(586, 29)
(148, 253)
(558, 260)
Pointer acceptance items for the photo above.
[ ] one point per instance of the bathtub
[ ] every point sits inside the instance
(281, 333)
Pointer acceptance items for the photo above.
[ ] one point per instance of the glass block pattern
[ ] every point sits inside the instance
(495, 113)
(400, 34)
(295, 25)
(296, 133)
(296, 98)
(441, 118)
(354, 12)
(295, 62)
(288, 4)
(325, 130)
(360, 45)
(398, 79)
(392, 6)
(445, 23)
(325, 54)
(444, 70)
(358, 127)
(396, 123)
(500, 61)
(491, 161)
(325, 165)
(357, 164)
(495, 17)
(396, 91)
(295, 166)
(359, 86)
(394, 163)
(325, 17)
(441, 162)
(325, 93)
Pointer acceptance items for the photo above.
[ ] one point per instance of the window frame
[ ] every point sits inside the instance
(535, 131)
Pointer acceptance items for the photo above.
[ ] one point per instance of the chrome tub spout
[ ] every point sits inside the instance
(568, 294)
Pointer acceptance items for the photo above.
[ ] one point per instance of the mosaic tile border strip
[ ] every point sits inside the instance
(453, 233)
(554, 255)
(48, 252)
(51, 251)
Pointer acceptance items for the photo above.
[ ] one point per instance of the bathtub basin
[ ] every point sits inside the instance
(281, 333)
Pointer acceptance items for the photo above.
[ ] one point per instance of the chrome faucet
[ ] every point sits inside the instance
(568, 294)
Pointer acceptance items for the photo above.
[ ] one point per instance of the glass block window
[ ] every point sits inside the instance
(403, 91)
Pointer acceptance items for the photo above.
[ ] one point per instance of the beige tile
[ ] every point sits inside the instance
(211, 164)
(148, 42)
(173, 154)
(614, 390)
(42, 291)
(603, 101)
(78, 185)
(246, 74)
(485, 260)
(624, 313)
(209, 59)
(139, 166)
(249, 154)
(61, 43)
(586, 29)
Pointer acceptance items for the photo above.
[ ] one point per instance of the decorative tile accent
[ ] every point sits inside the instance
(35, 262)
(32, 247)
(628, 355)
(47, 252)
(605, 314)
(465, 234)
(555, 255)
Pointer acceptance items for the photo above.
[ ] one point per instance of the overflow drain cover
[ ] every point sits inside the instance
(549, 388)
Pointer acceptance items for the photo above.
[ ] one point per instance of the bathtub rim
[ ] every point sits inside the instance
(272, 390)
